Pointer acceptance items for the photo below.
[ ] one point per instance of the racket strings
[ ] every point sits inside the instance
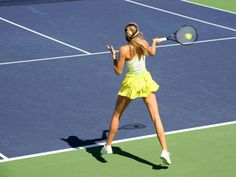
(186, 35)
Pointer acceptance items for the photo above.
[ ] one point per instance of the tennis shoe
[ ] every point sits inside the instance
(106, 149)
(165, 156)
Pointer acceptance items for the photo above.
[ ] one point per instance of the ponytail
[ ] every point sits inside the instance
(135, 39)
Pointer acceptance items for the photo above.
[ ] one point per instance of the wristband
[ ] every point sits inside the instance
(115, 62)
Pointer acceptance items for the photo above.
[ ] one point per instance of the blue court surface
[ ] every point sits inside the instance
(57, 79)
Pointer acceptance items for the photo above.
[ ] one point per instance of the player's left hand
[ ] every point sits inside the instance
(111, 49)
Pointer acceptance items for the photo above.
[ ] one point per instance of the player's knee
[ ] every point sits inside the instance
(116, 115)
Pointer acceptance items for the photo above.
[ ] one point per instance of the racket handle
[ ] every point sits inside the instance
(162, 39)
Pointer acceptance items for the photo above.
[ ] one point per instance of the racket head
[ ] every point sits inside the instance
(185, 35)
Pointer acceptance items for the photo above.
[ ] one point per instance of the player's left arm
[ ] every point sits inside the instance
(119, 63)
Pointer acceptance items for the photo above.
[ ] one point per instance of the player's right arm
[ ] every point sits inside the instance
(152, 49)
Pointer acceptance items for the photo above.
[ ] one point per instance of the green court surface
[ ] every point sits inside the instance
(200, 153)
(229, 5)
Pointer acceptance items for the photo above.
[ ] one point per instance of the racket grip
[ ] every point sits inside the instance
(162, 39)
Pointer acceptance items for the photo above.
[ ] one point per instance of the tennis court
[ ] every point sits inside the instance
(58, 89)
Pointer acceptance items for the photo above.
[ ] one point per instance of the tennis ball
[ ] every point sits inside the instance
(188, 36)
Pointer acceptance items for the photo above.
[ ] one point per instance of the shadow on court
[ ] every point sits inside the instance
(76, 142)
(119, 151)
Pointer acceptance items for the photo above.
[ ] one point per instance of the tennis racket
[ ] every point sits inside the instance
(185, 35)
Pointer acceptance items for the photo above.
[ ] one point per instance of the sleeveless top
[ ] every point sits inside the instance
(135, 66)
(138, 82)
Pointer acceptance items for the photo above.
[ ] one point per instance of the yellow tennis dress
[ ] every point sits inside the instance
(138, 81)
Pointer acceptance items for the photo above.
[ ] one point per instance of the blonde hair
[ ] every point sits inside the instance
(135, 40)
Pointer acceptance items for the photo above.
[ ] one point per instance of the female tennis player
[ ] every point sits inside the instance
(137, 83)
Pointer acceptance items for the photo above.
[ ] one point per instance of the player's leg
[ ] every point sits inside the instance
(152, 105)
(121, 104)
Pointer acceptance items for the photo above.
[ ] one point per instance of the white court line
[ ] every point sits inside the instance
(43, 59)
(43, 35)
(3, 157)
(118, 141)
(210, 7)
(106, 52)
(180, 15)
